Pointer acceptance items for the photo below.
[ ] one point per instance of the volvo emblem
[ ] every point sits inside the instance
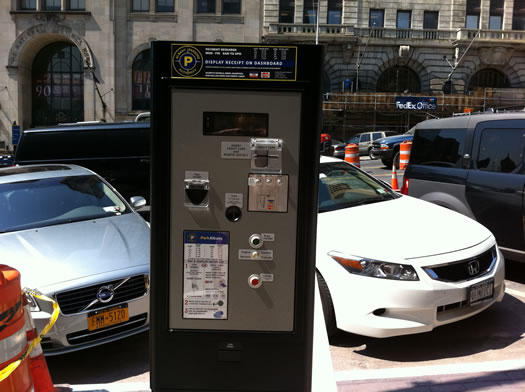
(105, 294)
(473, 267)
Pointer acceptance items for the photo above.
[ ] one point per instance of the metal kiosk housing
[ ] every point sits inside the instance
(235, 156)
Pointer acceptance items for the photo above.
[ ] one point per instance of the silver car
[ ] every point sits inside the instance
(72, 237)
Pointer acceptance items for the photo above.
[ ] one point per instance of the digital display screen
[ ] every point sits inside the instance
(235, 124)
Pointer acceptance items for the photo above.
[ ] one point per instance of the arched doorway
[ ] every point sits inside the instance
(141, 83)
(488, 78)
(57, 85)
(398, 79)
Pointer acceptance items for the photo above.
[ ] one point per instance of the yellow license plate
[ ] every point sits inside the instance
(105, 318)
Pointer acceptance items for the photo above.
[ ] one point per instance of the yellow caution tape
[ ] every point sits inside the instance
(6, 372)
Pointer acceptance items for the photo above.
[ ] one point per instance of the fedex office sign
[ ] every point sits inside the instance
(416, 103)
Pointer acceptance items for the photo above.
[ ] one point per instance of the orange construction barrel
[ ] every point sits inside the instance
(13, 339)
(404, 154)
(352, 154)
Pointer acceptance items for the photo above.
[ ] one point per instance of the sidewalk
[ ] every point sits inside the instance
(501, 376)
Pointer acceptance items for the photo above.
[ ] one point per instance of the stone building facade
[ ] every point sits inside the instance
(89, 60)
(409, 46)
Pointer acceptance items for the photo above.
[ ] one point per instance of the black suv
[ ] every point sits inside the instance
(119, 152)
(474, 164)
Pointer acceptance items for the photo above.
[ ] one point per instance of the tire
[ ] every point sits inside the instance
(387, 163)
(396, 160)
(328, 306)
(370, 155)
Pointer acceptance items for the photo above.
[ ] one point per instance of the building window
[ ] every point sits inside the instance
(496, 14)
(473, 11)
(518, 15)
(57, 85)
(430, 20)
(206, 6)
(52, 5)
(231, 7)
(286, 11)
(141, 72)
(398, 79)
(76, 5)
(165, 6)
(335, 10)
(403, 19)
(140, 6)
(488, 78)
(377, 18)
(28, 4)
(310, 11)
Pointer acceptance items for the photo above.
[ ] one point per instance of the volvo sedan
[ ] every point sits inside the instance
(73, 238)
(432, 267)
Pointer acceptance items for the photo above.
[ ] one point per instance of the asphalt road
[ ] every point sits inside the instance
(493, 335)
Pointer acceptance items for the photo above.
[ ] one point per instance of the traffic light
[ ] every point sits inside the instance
(447, 86)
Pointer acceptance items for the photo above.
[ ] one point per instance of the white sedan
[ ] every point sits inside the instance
(390, 265)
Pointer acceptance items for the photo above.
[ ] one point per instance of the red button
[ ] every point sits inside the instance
(255, 282)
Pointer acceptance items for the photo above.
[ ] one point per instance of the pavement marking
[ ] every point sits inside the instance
(437, 370)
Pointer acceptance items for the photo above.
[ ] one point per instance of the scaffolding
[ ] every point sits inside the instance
(345, 114)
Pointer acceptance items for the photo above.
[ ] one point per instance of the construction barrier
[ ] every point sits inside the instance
(37, 362)
(352, 154)
(394, 183)
(404, 154)
(15, 373)
(24, 368)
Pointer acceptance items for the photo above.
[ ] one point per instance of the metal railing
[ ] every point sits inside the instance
(306, 28)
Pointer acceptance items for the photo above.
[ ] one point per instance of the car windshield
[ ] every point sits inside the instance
(341, 185)
(53, 201)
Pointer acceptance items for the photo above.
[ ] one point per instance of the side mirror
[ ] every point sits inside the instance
(137, 202)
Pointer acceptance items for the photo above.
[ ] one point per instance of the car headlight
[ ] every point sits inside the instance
(375, 268)
(384, 147)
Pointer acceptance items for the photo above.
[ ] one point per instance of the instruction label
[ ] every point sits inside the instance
(236, 150)
(205, 275)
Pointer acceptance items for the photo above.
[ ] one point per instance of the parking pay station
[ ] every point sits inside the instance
(235, 153)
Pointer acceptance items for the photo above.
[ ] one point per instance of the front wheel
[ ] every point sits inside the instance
(328, 306)
(387, 163)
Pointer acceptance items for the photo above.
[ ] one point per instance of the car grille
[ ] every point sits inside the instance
(376, 146)
(465, 269)
(75, 301)
(87, 336)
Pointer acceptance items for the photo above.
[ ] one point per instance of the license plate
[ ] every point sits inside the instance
(480, 291)
(107, 317)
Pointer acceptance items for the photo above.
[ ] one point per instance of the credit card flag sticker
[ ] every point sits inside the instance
(205, 275)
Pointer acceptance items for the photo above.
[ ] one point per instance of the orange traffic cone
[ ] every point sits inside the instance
(37, 362)
(394, 184)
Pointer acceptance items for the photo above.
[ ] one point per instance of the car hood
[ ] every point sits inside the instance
(397, 230)
(394, 139)
(63, 253)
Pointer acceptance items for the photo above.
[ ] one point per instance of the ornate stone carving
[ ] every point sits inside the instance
(51, 26)
(497, 55)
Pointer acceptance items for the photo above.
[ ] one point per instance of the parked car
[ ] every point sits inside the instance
(364, 141)
(387, 149)
(6, 160)
(119, 152)
(474, 165)
(448, 268)
(339, 148)
(75, 239)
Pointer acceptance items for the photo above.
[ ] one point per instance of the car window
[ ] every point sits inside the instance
(365, 137)
(58, 200)
(354, 140)
(438, 147)
(501, 150)
(376, 135)
(341, 185)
